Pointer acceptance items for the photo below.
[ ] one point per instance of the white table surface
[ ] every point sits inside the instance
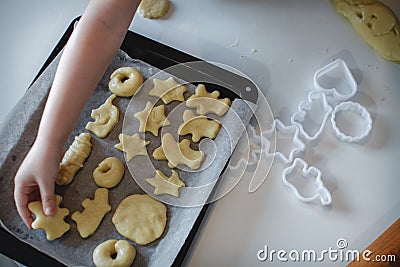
(292, 40)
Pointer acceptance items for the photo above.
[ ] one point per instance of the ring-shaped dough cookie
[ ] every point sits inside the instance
(125, 81)
(109, 172)
(103, 254)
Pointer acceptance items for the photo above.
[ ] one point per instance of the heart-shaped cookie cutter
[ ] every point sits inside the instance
(345, 77)
(320, 190)
(357, 108)
(291, 130)
(300, 117)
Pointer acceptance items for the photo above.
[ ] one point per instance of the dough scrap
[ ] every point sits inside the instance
(153, 9)
(109, 172)
(376, 23)
(168, 90)
(166, 185)
(125, 81)
(198, 126)
(125, 254)
(105, 118)
(179, 153)
(94, 210)
(132, 145)
(140, 218)
(74, 158)
(152, 118)
(54, 226)
(205, 102)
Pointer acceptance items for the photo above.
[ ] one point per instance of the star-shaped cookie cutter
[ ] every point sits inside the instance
(291, 130)
(307, 172)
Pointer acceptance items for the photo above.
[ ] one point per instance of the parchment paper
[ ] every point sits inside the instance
(17, 136)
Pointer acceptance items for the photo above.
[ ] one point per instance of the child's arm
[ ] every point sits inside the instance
(89, 51)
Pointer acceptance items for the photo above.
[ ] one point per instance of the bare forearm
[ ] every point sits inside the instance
(87, 54)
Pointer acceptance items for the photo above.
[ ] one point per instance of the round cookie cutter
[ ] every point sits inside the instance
(357, 108)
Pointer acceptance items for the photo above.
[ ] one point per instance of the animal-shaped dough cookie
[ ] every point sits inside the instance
(168, 90)
(54, 225)
(74, 158)
(205, 102)
(198, 126)
(375, 23)
(94, 210)
(105, 118)
(132, 145)
(151, 119)
(178, 153)
(166, 185)
(140, 218)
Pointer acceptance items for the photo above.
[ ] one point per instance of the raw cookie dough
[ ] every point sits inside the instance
(179, 153)
(109, 172)
(74, 158)
(198, 126)
(153, 9)
(54, 226)
(206, 102)
(94, 210)
(166, 185)
(132, 145)
(168, 90)
(375, 23)
(105, 118)
(140, 218)
(125, 81)
(103, 254)
(151, 118)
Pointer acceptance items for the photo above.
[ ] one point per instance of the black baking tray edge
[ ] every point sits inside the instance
(162, 57)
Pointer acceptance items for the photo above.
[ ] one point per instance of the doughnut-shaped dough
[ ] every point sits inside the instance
(103, 254)
(109, 172)
(125, 81)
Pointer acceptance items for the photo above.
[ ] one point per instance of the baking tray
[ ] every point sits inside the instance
(160, 56)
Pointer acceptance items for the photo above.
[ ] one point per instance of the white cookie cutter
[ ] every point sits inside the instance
(299, 118)
(285, 130)
(346, 78)
(321, 191)
(355, 107)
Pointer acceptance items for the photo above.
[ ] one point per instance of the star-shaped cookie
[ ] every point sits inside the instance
(151, 118)
(132, 145)
(168, 90)
(166, 185)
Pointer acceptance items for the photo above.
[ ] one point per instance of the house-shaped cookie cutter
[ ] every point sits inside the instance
(335, 73)
(311, 172)
(299, 118)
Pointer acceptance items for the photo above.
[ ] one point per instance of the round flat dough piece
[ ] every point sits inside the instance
(153, 9)
(140, 218)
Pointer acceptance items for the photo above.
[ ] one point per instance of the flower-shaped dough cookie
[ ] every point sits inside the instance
(105, 118)
(198, 126)
(151, 119)
(54, 226)
(166, 185)
(132, 145)
(168, 90)
(205, 102)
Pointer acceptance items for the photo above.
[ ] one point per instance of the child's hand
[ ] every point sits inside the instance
(35, 179)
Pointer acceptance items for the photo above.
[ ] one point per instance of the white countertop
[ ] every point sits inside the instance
(279, 45)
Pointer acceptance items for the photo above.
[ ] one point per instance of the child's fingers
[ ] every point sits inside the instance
(21, 201)
(46, 187)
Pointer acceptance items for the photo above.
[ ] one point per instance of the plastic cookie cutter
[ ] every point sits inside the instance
(318, 188)
(312, 115)
(336, 81)
(284, 132)
(356, 108)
